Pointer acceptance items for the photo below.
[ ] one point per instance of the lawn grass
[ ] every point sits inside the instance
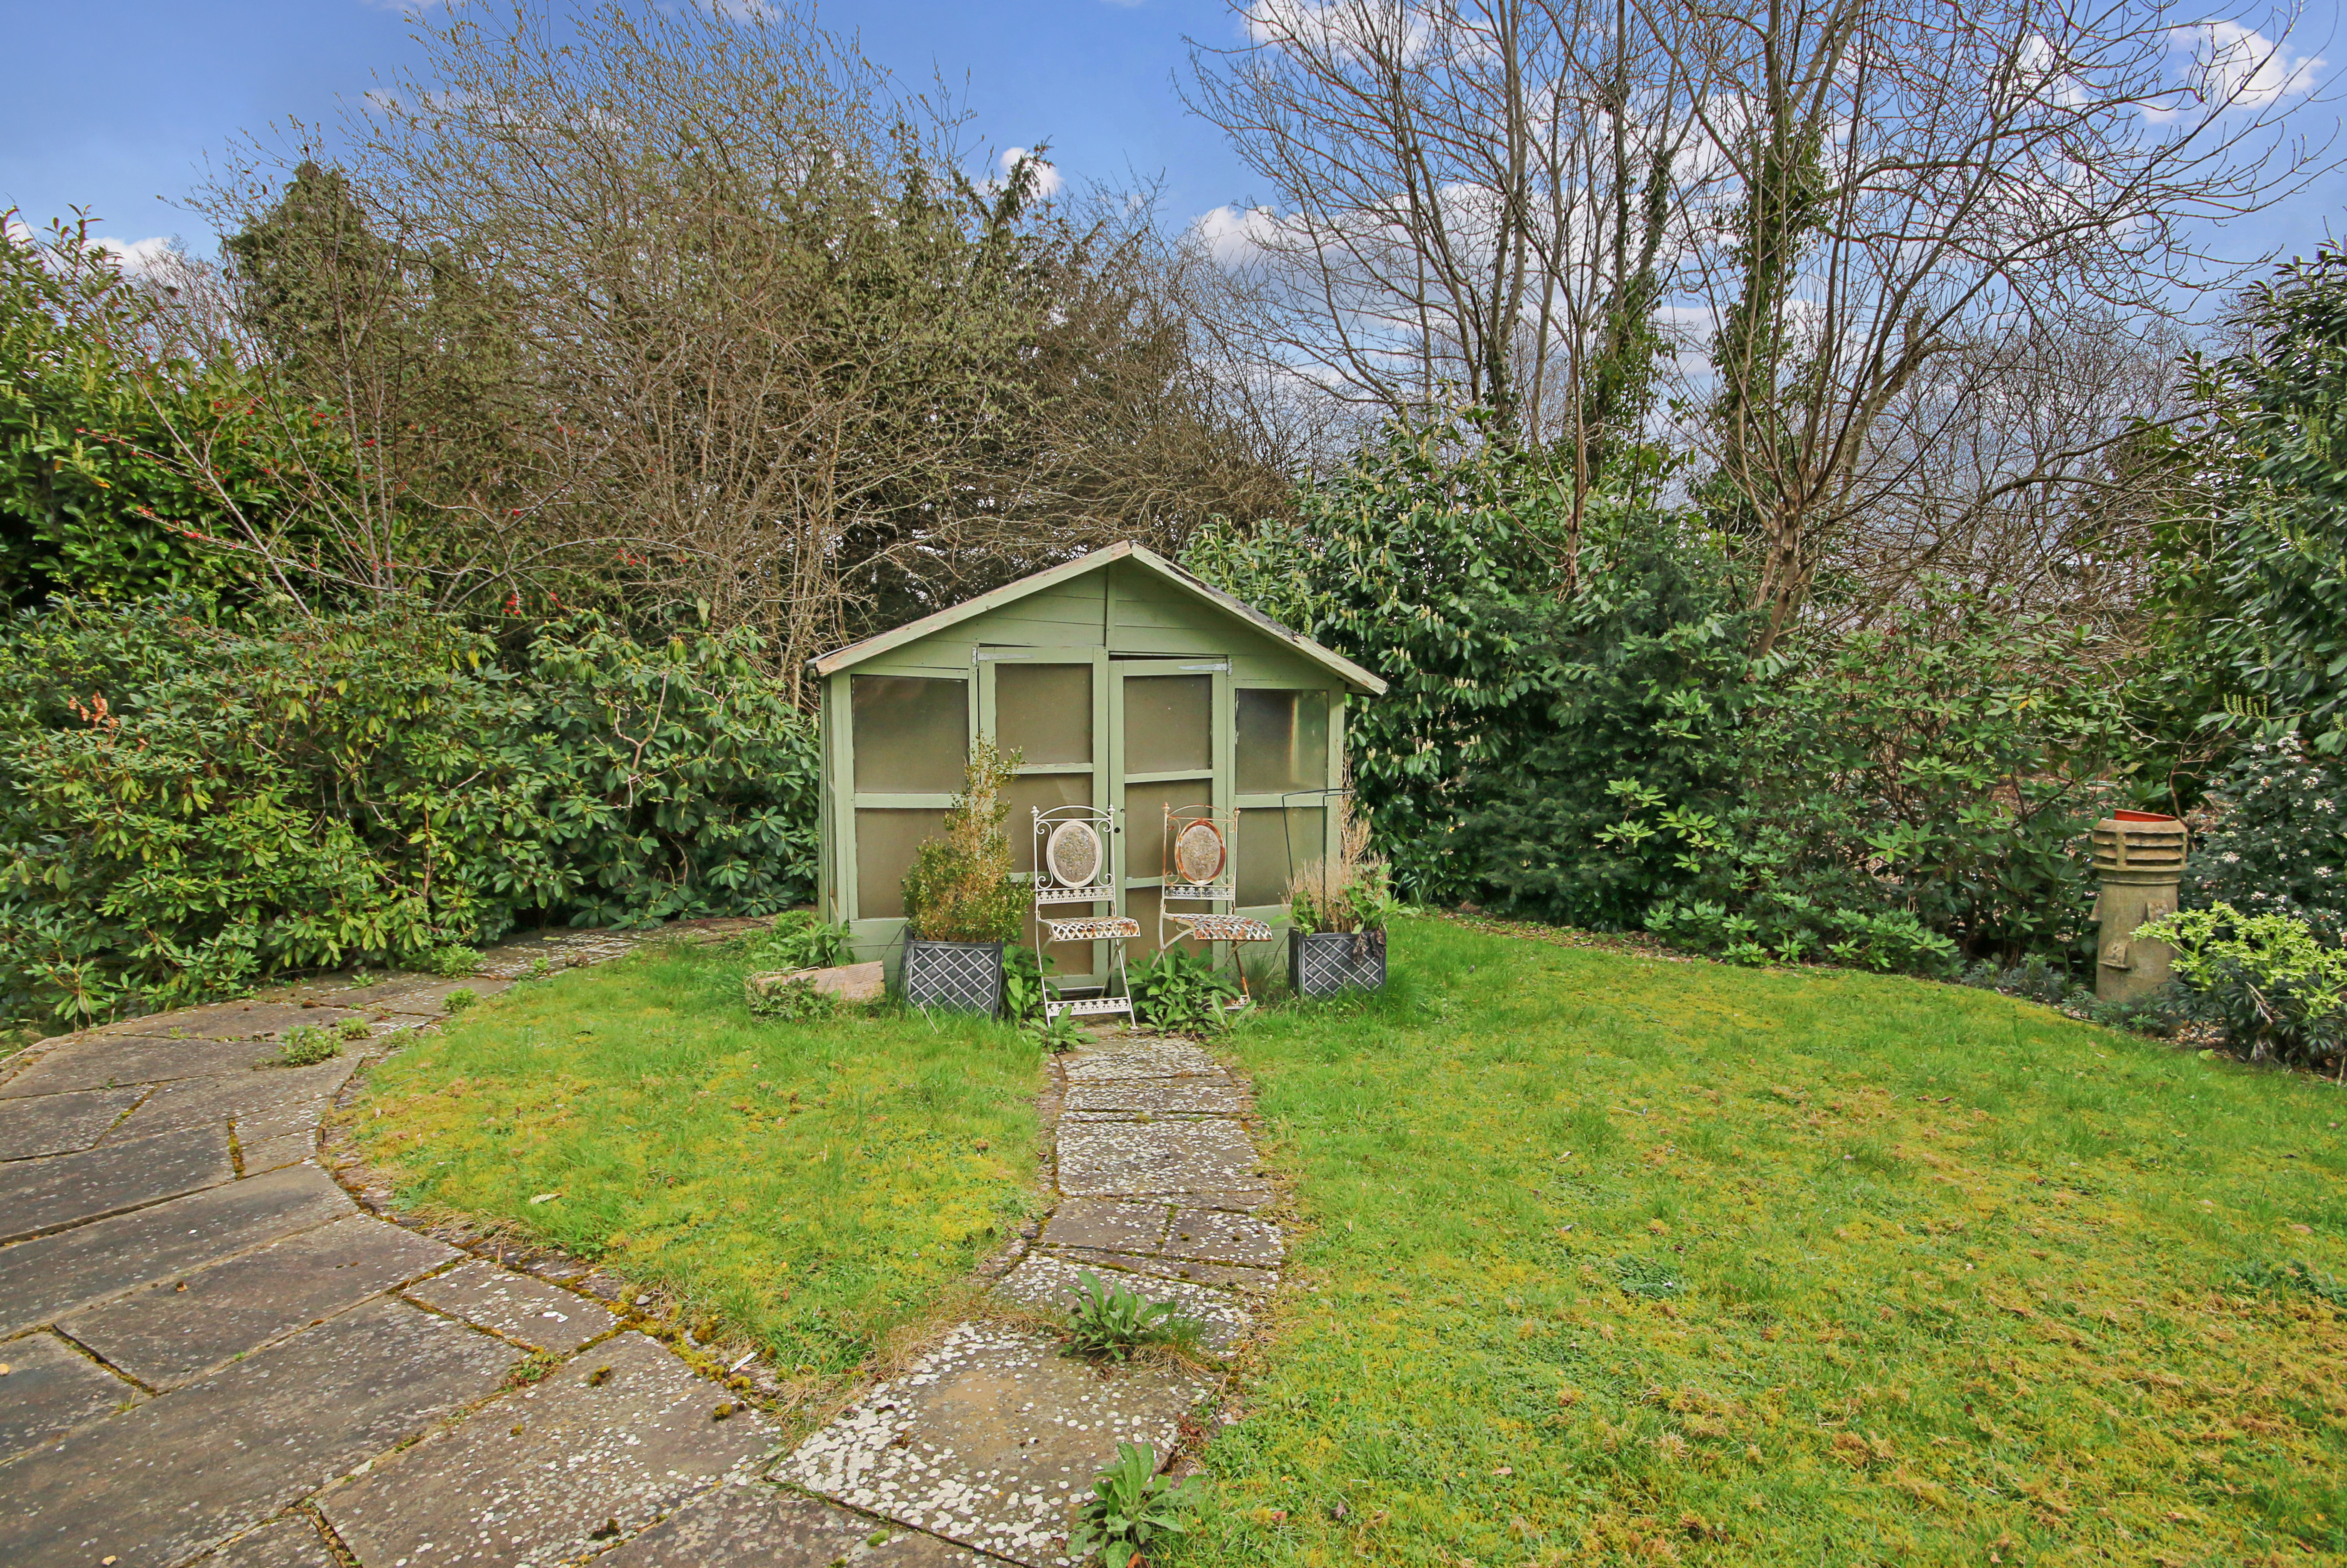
(810, 1187)
(1605, 1258)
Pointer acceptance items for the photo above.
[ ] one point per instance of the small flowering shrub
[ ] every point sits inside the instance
(2281, 990)
(2274, 840)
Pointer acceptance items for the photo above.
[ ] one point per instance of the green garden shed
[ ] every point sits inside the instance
(1125, 683)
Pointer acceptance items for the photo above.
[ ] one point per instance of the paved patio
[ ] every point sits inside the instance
(209, 1351)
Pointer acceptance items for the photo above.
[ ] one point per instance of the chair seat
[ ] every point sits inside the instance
(1221, 928)
(1102, 928)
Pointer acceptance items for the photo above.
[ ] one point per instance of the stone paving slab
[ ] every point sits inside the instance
(211, 1101)
(275, 1153)
(50, 1387)
(1155, 1097)
(990, 1439)
(228, 1021)
(418, 996)
(514, 960)
(1219, 1237)
(162, 1481)
(542, 1316)
(55, 1274)
(42, 1194)
(92, 1061)
(1126, 1159)
(1162, 1230)
(1223, 1275)
(292, 1542)
(173, 1330)
(753, 1524)
(1107, 1223)
(1147, 1058)
(530, 1479)
(62, 1123)
(1046, 1283)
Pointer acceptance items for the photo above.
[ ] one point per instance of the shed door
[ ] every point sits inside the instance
(1171, 731)
(1051, 705)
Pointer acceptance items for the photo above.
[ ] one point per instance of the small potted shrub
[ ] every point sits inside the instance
(961, 904)
(1337, 912)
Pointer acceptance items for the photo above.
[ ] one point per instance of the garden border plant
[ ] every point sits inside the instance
(962, 905)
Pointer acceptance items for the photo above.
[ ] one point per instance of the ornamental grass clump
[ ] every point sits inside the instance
(1350, 891)
(960, 888)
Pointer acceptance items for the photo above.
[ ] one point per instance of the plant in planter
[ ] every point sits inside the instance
(961, 905)
(1338, 909)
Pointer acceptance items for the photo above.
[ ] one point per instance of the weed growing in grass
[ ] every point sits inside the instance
(453, 961)
(2261, 1278)
(1647, 1278)
(1114, 1320)
(798, 940)
(308, 1045)
(1130, 1509)
(1057, 1034)
(1178, 989)
(1023, 991)
(793, 1001)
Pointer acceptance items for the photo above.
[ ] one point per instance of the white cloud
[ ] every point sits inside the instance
(138, 257)
(1236, 235)
(2240, 68)
(1048, 178)
(1336, 27)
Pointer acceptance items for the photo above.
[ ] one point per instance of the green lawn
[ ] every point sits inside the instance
(811, 1187)
(1606, 1258)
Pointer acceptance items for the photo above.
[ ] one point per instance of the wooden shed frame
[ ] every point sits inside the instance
(1123, 613)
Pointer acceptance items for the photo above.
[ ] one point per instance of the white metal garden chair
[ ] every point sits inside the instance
(1198, 896)
(1073, 866)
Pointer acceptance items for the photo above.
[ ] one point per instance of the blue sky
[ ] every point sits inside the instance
(113, 106)
(129, 98)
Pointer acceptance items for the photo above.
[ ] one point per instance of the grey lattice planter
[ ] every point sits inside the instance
(1326, 963)
(954, 976)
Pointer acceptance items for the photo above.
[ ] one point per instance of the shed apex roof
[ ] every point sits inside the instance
(1149, 561)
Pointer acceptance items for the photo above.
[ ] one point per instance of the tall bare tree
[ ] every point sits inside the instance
(2008, 466)
(1468, 198)
(1892, 183)
(736, 335)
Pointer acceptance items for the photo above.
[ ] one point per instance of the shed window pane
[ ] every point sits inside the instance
(1169, 723)
(1030, 792)
(1283, 742)
(1044, 712)
(912, 733)
(1273, 844)
(1144, 820)
(885, 844)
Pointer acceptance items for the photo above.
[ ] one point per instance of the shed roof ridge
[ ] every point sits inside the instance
(938, 620)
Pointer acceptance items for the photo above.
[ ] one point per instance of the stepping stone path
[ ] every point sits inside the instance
(209, 1352)
(991, 1439)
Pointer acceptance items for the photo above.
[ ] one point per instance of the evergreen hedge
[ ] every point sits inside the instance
(194, 799)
